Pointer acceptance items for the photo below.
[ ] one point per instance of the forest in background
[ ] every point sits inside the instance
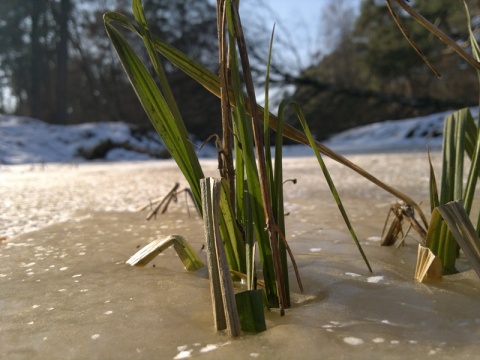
(57, 64)
(374, 74)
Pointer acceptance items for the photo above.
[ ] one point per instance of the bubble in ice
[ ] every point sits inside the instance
(27, 265)
(375, 279)
(35, 306)
(378, 340)
(95, 336)
(208, 348)
(64, 268)
(109, 312)
(350, 340)
(316, 249)
(184, 354)
(76, 275)
(352, 274)
(394, 342)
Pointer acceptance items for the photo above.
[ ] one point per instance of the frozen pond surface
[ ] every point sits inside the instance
(66, 292)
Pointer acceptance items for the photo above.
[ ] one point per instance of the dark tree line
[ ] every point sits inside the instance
(59, 66)
(374, 74)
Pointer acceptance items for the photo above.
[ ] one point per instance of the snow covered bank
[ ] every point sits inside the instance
(25, 140)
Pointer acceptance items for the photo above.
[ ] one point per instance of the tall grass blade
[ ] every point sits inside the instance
(139, 15)
(326, 174)
(275, 178)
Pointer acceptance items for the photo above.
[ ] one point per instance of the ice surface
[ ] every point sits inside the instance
(69, 226)
(116, 311)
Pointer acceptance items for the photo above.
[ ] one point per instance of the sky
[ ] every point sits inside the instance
(302, 21)
(293, 13)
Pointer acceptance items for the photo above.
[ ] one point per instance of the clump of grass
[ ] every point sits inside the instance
(450, 227)
(251, 212)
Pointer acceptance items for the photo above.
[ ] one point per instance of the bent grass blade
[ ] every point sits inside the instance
(184, 250)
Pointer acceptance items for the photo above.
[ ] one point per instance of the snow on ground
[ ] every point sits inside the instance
(25, 140)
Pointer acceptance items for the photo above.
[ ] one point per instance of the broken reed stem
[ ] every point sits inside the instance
(225, 311)
(167, 198)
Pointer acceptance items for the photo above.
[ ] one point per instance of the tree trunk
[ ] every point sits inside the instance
(34, 96)
(61, 86)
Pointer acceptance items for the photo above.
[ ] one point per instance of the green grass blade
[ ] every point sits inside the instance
(434, 232)
(434, 198)
(462, 229)
(275, 175)
(143, 28)
(460, 121)
(473, 41)
(471, 135)
(266, 121)
(173, 134)
(448, 176)
(326, 174)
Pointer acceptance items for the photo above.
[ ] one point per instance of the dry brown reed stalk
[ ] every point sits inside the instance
(436, 31)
